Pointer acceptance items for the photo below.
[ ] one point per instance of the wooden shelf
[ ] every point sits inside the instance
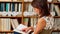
(56, 31)
(31, 16)
(11, 17)
(56, 16)
(6, 31)
(27, 17)
(38, 16)
(47, 2)
(54, 2)
(11, 1)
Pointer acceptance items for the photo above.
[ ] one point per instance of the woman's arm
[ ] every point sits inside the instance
(40, 25)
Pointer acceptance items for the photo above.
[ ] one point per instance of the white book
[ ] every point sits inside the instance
(35, 22)
(8, 24)
(32, 21)
(20, 7)
(30, 8)
(19, 29)
(11, 7)
(57, 10)
(5, 24)
(14, 23)
(16, 7)
(8, 7)
(0, 25)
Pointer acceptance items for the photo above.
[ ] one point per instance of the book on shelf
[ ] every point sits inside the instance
(16, 7)
(55, 0)
(57, 24)
(25, 20)
(33, 22)
(5, 24)
(2, 7)
(14, 23)
(7, 7)
(20, 7)
(53, 10)
(12, 7)
(57, 9)
(26, 7)
(55, 32)
(30, 8)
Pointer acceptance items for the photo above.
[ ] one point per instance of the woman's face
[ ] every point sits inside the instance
(37, 11)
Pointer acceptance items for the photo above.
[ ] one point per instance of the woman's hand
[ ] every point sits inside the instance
(27, 29)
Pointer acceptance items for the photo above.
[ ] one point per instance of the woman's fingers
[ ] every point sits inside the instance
(24, 29)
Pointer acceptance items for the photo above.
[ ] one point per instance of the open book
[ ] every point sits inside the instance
(19, 29)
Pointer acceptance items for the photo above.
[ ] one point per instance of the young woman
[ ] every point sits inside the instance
(45, 22)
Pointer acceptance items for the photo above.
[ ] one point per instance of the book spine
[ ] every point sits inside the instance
(13, 7)
(16, 7)
(30, 8)
(7, 7)
(20, 7)
(26, 21)
(2, 6)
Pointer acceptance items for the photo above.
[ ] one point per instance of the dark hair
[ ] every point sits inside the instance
(42, 5)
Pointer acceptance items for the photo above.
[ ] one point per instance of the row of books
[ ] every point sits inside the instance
(55, 32)
(57, 24)
(11, 7)
(28, 7)
(54, 9)
(5, 23)
(30, 21)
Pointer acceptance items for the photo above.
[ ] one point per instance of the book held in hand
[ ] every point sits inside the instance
(19, 29)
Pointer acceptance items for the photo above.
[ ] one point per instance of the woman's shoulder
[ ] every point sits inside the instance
(45, 18)
(41, 19)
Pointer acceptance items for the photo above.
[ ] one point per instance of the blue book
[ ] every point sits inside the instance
(13, 7)
(7, 7)
(2, 7)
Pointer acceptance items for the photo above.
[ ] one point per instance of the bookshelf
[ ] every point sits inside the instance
(22, 17)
